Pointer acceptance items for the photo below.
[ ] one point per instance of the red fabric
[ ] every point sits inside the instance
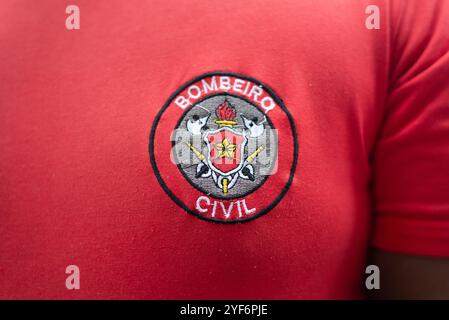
(76, 108)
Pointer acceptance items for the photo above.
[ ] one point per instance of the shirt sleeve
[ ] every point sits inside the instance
(411, 159)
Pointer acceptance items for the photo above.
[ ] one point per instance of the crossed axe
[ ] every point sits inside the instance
(245, 169)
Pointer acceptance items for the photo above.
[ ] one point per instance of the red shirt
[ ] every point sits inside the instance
(362, 153)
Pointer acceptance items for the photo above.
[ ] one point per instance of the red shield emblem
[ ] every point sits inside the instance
(226, 150)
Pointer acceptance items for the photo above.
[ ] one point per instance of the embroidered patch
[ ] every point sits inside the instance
(224, 148)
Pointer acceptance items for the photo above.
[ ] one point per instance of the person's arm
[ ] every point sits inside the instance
(410, 164)
(410, 277)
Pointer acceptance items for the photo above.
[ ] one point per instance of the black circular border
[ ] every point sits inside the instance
(173, 196)
(178, 124)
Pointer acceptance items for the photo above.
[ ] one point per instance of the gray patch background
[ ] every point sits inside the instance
(207, 185)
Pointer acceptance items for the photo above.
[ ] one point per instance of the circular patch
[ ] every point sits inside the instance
(224, 148)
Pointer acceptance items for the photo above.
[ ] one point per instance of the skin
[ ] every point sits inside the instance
(410, 277)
